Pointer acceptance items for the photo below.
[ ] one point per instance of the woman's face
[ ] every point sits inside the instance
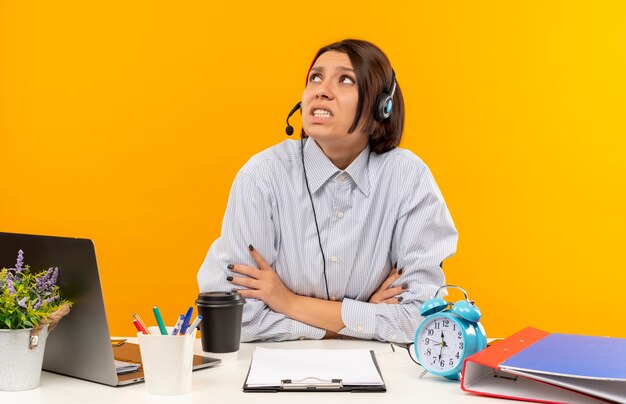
(330, 98)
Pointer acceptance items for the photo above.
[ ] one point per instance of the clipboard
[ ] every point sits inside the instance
(316, 383)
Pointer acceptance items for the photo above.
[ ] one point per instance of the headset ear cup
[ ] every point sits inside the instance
(381, 104)
(384, 102)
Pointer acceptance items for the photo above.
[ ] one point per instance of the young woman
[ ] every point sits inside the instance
(341, 232)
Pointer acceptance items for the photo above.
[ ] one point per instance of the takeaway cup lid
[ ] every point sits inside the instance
(218, 299)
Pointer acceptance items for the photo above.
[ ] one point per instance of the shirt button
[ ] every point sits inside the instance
(333, 298)
(339, 215)
(341, 177)
(359, 328)
(302, 338)
(333, 258)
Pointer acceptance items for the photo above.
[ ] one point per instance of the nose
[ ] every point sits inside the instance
(323, 91)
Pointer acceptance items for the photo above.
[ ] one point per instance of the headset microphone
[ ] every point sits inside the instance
(289, 128)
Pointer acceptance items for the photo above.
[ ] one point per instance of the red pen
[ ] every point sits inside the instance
(139, 325)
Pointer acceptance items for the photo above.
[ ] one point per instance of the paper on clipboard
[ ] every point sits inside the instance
(270, 367)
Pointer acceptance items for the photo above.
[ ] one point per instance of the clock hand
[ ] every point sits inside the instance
(440, 348)
(443, 342)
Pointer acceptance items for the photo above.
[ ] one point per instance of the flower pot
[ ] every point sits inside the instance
(20, 367)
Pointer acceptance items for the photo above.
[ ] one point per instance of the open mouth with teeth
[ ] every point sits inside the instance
(322, 113)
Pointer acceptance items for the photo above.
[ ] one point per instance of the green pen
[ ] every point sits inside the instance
(159, 319)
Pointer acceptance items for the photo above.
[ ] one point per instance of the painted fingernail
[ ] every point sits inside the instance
(250, 247)
(230, 266)
(229, 278)
(400, 271)
(405, 286)
(395, 265)
(400, 299)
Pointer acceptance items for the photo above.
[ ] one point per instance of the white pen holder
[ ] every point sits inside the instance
(167, 361)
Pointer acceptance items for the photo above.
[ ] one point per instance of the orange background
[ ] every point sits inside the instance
(126, 122)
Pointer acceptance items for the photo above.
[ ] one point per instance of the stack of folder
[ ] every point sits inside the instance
(534, 365)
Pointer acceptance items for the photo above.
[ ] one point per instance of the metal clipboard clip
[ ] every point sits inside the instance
(311, 383)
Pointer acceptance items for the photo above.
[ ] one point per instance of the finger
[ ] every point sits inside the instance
(387, 282)
(250, 283)
(393, 300)
(391, 292)
(258, 258)
(394, 276)
(244, 270)
(250, 293)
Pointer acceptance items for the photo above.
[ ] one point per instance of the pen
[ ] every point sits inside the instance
(159, 319)
(179, 323)
(193, 325)
(183, 328)
(140, 327)
(145, 327)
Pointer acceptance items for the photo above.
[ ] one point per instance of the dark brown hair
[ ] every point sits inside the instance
(373, 76)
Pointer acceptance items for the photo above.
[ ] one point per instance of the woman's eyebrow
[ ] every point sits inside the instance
(319, 69)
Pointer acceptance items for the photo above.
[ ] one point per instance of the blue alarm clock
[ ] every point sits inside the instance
(448, 334)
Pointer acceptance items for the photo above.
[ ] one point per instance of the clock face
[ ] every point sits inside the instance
(441, 344)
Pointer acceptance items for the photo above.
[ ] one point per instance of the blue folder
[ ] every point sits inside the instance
(574, 355)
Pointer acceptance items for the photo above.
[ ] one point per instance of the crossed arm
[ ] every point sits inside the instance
(423, 237)
(265, 285)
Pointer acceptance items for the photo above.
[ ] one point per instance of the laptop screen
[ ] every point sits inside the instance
(80, 345)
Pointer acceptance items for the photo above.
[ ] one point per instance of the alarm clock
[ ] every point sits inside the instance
(448, 334)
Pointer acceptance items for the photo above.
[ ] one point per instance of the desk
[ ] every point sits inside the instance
(223, 383)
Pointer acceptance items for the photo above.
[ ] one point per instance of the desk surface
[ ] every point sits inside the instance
(223, 383)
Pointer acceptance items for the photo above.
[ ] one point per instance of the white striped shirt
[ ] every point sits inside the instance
(382, 209)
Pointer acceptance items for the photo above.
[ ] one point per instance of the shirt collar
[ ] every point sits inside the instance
(359, 172)
(320, 169)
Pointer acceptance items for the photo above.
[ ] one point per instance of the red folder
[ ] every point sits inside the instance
(482, 374)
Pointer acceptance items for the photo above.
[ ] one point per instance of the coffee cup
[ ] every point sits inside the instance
(220, 328)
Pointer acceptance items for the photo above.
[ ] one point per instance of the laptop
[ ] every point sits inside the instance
(80, 346)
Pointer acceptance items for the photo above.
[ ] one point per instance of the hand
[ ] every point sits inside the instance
(387, 294)
(330, 335)
(262, 283)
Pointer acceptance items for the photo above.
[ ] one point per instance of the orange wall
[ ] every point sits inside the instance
(126, 121)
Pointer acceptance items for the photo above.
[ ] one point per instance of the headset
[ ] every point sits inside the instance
(382, 112)
(384, 102)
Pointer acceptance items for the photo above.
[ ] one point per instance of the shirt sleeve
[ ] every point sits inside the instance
(423, 238)
(248, 220)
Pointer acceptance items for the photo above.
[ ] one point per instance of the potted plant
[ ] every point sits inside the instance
(30, 307)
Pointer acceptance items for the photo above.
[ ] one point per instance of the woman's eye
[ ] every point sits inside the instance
(315, 78)
(347, 80)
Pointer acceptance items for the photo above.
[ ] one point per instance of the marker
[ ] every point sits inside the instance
(145, 327)
(183, 328)
(159, 319)
(194, 325)
(179, 323)
(140, 327)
